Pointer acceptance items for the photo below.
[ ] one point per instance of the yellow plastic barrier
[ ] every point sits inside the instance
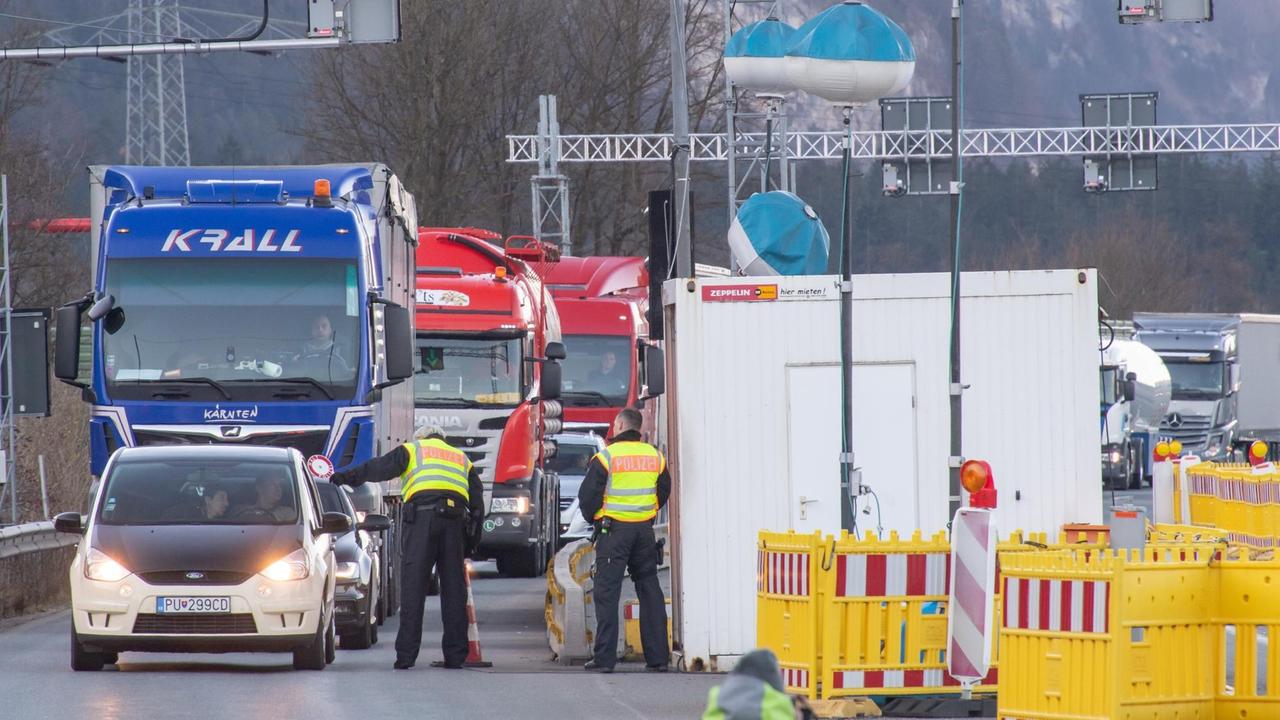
(884, 621)
(1247, 628)
(789, 606)
(1092, 635)
(1235, 498)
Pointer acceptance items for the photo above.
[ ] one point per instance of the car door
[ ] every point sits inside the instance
(321, 543)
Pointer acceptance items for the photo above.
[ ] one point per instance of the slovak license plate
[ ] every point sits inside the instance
(180, 605)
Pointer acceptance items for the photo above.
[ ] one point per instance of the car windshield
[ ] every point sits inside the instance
(571, 458)
(467, 372)
(1196, 381)
(597, 370)
(255, 328)
(155, 492)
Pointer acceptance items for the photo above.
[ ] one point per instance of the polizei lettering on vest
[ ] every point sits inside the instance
(249, 240)
(636, 463)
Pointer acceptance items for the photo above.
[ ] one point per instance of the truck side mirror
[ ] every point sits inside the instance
(399, 342)
(655, 371)
(1129, 390)
(555, 351)
(551, 380)
(66, 352)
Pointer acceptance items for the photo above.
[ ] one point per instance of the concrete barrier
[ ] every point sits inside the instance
(570, 613)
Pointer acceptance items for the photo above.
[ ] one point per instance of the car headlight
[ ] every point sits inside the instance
(518, 505)
(1114, 456)
(290, 567)
(97, 566)
(347, 570)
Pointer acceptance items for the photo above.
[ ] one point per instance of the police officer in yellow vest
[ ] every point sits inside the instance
(441, 516)
(625, 485)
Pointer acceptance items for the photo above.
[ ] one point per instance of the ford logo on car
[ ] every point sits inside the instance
(194, 575)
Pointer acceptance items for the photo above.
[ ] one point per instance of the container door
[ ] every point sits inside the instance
(884, 445)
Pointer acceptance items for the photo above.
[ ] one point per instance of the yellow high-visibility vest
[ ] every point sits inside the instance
(435, 465)
(631, 494)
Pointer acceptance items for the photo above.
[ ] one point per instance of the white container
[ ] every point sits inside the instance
(754, 418)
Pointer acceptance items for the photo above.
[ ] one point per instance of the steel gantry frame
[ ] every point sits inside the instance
(919, 144)
(8, 429)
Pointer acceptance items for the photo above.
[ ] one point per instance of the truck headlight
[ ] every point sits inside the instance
(97, 566)
(290, 567)
(347, 571)
(518, 505)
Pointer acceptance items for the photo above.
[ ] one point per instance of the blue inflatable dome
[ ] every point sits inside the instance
(776, 233)
(755, 57)
(852, 31)
(850, 54)
(767, 38)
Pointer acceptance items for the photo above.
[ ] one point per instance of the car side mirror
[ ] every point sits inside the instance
(551, 374)
(555, 351)
(375, 523)
(335, 523)
(69, 522)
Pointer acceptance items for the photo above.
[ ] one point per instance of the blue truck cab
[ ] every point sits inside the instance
(257, 305)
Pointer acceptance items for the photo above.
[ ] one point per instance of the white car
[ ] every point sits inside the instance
(204, 548)
(574, 451)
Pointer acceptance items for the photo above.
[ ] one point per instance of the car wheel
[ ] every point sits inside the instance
(111, 658)
(311, 657)
(373, 634)
(330, 641)
(82, 660)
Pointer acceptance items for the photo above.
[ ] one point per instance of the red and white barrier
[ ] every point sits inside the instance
(795, 678)
(969, 622)
(890, 679)
(783, 573)
(1080, 606)
(892, 574)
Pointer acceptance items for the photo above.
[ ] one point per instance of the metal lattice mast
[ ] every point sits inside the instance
(747, 152)
(550, 186)
(8, 431)
(156, 100)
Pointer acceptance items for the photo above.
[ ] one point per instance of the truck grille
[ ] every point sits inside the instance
(1191, 430)
(208, 577)
(308, 442)
(234, 624)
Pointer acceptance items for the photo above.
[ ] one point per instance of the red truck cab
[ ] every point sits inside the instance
(487, 333)
(603, 302)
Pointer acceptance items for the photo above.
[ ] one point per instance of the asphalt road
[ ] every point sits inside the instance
(37, 682)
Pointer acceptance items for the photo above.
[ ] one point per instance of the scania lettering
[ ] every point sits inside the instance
(488, 339)
(255, 305)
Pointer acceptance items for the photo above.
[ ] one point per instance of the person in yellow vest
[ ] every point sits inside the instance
(443, 508)
(625, 485)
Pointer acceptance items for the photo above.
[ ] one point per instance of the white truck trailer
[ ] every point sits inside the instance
(753, 418)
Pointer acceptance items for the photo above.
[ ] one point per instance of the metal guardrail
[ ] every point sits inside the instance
(32, 537)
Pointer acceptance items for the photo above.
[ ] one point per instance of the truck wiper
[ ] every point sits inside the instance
(199, 381)
(449, 402)
(599, 397)
(302, 381)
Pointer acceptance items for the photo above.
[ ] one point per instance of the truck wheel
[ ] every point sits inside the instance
(520, 563)
(1133, 470)
(82, 660)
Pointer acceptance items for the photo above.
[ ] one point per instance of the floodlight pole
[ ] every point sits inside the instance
(848, 489)
(956, 458)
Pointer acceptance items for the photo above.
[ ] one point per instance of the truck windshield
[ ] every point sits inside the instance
(597, 370)
(467, 372)
(1196, 381)
(185, 493)
(232, 329)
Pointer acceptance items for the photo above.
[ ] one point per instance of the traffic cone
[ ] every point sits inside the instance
(474, 658)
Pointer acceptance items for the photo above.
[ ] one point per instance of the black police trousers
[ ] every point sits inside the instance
(433, 541)
(629, 547)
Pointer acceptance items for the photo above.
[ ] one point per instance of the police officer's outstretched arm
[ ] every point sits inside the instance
(383, 467)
